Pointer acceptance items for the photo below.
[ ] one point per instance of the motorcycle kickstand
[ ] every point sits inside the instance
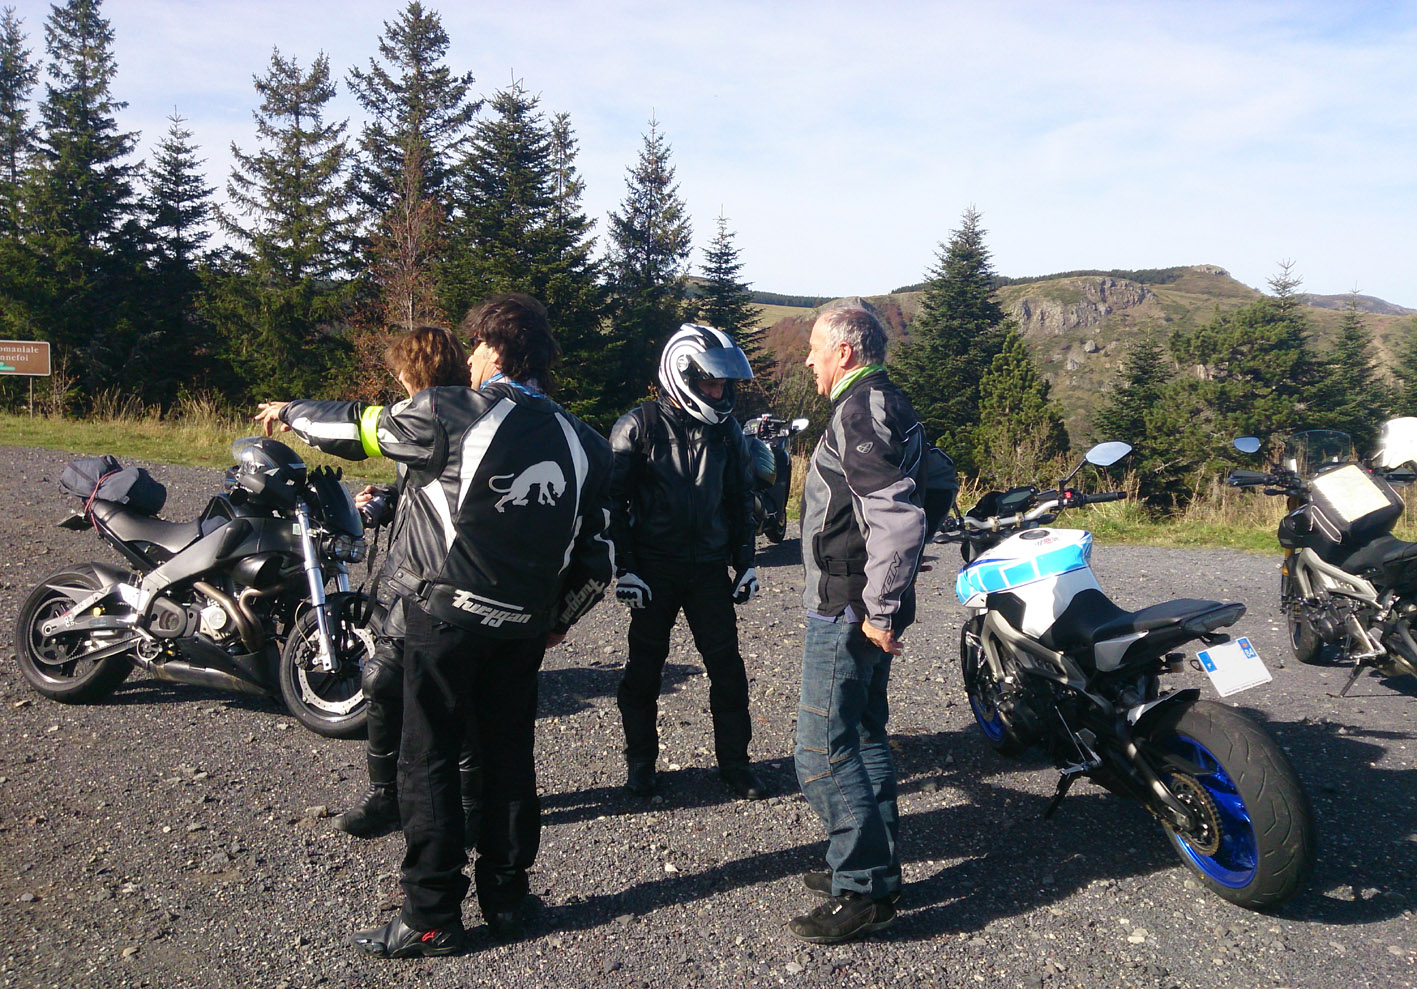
(1352, 677)
(1065, 783)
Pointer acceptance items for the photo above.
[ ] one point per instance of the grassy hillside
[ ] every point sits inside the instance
(1079, 326)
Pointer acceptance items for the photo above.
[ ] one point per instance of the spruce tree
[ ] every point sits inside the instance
(953, 341)
(650, 241)
(726, 303)
(180, 213)
(17, 135)
(1020, 428)
(1405, 395)
(280, 313)
(81, 234)
(520, 228)
(420, 114)
(1352, 396)
(1128, 414)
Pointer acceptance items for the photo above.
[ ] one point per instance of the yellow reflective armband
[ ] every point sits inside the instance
(369, 430)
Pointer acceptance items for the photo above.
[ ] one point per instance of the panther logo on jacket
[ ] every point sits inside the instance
(516, 488)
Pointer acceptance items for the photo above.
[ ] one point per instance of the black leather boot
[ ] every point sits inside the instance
(639, 778)
(377, 812)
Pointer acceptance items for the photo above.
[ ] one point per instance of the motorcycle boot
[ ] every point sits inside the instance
(398, 940)
(377, 812)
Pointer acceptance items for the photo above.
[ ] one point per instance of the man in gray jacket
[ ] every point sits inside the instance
(863, 532)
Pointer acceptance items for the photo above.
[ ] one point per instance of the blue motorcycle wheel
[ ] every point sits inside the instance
(1255, 844)
(983, 692)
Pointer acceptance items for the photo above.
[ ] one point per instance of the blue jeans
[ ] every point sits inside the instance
(844, 763)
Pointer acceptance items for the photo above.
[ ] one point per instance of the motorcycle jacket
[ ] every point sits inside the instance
(680, 490)
(504, 508)
(863, 520)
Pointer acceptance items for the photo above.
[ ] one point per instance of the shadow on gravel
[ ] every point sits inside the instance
(571, 689)
(133, 692)
(787, 553)
(1367, 854)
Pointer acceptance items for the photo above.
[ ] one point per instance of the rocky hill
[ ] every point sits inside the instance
(1080, 326)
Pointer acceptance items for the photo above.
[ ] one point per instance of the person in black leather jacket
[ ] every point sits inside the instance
(426, 357)
(681, 516)
(508, 501)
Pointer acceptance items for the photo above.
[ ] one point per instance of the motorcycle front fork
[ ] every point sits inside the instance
(324, 660)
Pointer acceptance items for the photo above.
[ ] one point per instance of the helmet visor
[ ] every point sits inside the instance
(723, 362)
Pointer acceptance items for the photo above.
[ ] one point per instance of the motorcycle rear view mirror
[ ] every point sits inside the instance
(798, 425)
(1247, 444)
(1107, 454)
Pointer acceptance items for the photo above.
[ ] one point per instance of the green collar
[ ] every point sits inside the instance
(851, 377)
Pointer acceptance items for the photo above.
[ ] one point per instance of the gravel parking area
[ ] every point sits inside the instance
(179, 837)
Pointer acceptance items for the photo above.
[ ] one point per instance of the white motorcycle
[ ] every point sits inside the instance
(1049, 661)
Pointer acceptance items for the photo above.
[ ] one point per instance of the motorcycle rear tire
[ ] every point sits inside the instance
(1265, 849)
(44, 662)
(774, 530)
(329, 704)
(978, 687)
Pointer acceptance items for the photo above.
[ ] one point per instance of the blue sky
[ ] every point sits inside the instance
(844, 140)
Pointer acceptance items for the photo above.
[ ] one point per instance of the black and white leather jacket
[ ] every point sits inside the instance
(505, 504)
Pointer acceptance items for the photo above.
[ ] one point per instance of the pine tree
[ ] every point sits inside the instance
(1020, 428)
(278, 312)
(727, 303)
(1250, 372)
(1128, 414)
(953, 341)
(179, 199)
(1352, 396)
(650, 241)
(78, 203)
(520, 228)
(17, 135)
(180, 213)
(1405, 397)
(420, 113)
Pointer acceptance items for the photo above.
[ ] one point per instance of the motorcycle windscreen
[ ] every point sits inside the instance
(1034, 555)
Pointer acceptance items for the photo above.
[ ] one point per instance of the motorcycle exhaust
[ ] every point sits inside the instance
(181, 671)
(246, 625)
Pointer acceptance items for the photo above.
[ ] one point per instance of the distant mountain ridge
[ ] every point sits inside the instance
(1079, 325)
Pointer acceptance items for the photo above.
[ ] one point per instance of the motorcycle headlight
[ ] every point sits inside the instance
(342, 547)
(358, 550)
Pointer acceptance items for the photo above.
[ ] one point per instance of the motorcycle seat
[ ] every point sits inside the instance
(1396, 559)
(133, 527)
(1091, 617)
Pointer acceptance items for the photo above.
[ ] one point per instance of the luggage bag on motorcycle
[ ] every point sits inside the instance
(105, 479)
(1349, 507)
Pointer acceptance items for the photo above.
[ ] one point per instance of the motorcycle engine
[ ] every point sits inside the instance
(216, 624)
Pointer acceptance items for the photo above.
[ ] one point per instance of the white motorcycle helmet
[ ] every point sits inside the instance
(693, 354)
(1397, 444)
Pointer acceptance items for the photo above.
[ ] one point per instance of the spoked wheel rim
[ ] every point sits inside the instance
(1225, 821)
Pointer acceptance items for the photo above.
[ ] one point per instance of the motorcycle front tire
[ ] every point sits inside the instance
(329, 704)
(982, 692)
(46, 663)
(1303, 640)
(1257, 850)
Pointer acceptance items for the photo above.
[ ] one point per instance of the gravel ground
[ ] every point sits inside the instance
(175, 837)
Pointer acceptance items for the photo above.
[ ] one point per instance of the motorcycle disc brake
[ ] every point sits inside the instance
(1205, 839)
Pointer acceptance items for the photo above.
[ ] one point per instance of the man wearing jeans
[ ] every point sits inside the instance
(863, 532)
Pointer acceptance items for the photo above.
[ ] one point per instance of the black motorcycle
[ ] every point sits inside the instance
(768, 438)
(233, 600)
(1347, 582)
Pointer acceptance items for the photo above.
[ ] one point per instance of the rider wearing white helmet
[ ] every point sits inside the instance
(681, 516)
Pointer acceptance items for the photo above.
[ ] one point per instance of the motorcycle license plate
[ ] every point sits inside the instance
(1234, 666)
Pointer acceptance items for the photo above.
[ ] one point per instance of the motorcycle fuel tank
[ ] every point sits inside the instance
(1046, 567)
